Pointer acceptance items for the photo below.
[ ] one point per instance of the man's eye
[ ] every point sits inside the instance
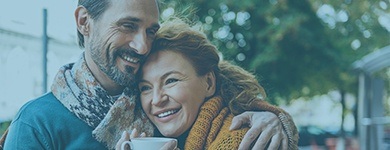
(130, 26)
(171, 80)
(151, 32)
(144, 88)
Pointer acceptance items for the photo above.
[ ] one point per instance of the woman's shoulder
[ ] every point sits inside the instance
(226, 138)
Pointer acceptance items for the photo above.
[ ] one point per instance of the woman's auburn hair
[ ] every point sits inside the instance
(235, 85)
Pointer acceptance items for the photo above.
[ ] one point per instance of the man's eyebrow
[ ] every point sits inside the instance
(134, 19)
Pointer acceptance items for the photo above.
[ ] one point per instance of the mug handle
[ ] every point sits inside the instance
(126, 143)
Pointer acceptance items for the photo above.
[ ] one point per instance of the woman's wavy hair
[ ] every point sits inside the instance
(236, 86)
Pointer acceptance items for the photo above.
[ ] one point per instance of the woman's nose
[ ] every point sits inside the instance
(159, 98)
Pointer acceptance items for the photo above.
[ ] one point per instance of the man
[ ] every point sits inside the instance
(91, 102)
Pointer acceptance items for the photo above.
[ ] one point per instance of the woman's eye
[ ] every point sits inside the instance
(171, 80)
(144, 88)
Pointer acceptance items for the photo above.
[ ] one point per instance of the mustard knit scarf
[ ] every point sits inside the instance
(207, 125)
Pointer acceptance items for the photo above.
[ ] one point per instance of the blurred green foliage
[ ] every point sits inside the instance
(4, 126)
(296, 48)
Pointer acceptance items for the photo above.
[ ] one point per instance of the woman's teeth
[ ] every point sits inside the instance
(167, 113)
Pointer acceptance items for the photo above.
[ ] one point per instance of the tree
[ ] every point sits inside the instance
(283, 42)
(360, 27)
(296, 48)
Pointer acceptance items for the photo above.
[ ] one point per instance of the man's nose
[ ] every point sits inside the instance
(140, 43)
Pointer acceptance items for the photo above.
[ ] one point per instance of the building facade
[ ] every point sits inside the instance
(22, 65)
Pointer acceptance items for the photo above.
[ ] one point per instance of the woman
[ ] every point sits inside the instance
(189, 94)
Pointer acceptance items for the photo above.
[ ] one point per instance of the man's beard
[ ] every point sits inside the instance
(120, 78)
(108, 66)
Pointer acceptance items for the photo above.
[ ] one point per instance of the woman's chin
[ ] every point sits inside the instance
(169, 133)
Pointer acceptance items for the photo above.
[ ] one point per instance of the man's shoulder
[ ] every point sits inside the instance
(45, 105)
(45, 102)
(45, 121)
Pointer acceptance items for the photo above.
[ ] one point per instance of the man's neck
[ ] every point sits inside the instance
(107, 83)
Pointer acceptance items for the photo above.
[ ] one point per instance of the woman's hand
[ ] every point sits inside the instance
(126, 137)
(172, 145)
(265, 127)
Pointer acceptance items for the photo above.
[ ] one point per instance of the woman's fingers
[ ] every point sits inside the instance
(124, 137)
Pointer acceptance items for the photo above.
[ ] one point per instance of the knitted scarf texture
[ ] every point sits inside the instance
(77, 89)
(211, 128)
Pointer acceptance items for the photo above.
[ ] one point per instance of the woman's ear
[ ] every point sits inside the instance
(82, 20)
(211, 83)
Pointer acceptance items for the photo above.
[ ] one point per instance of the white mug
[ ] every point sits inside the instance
(146, 143)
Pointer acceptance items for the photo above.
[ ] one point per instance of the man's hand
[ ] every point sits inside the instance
(265, 127)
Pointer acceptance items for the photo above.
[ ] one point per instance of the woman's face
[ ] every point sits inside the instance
(172, 92)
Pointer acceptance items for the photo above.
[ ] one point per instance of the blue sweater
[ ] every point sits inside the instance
(44, 123)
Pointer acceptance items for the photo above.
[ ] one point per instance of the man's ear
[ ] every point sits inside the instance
(211, 83)
(82, 20)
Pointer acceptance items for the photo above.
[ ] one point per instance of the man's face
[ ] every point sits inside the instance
(122, 37)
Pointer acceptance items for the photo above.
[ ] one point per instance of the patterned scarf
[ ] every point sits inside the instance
(76, 88)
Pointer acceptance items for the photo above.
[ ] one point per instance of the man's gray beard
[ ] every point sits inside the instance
(115, 74)
(119, 77)
(112, 71)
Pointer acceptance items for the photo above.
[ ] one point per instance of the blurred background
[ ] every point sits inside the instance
(326, 62)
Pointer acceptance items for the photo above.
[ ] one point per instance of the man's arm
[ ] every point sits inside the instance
(270, 125)
(23, 136)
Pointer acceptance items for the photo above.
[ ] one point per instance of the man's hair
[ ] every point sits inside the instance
(95, 9)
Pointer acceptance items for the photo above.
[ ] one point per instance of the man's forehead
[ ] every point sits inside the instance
(134, 4)
(143, 10)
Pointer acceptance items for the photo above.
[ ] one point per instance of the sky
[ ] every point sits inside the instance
(26, 16)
